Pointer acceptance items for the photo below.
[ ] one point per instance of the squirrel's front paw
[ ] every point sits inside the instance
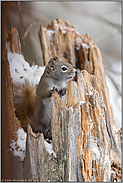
(55, 89)
(63, 92)
(51, 91)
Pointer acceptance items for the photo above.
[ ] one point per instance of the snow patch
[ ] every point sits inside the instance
(49, 148)
(79, 40)
(18, 147)
(64, 31)
(84, 45)
(71, 108)
(90, 92)
(21, 70)
(82, 102)
(95, 148)
(50, 33)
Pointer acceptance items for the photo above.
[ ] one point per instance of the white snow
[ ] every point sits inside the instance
(82, 102)
(50, 33)
(21, 139)
(21, 70)
(116, 135)
(84, 45)
(64, 31)
(49, 148)
(79, 40)
(18, 147)
(96, 152)
(95, 148)
(71, 108)
(90, 92)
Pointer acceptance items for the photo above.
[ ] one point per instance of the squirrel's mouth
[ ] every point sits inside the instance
(70, 77)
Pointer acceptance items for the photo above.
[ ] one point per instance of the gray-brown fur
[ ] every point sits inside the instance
(55, 76)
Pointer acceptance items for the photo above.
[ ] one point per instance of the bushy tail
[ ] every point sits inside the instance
(24, 98)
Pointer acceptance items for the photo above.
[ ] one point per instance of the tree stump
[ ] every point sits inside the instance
(11, 166)
(84, 145)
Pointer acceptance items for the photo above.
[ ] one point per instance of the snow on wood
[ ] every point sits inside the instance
(21, 70)
(18, 147)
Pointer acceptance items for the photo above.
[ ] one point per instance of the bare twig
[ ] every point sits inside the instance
(111, 11)
(109, 69)
(27, 31)
(20, 15)
(106, 37)
(24, 27)
(97, 17)
(36, 48)
(30, 16)
(112, 53)
(114, 83)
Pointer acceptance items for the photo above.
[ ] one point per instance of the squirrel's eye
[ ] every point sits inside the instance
(64, 68)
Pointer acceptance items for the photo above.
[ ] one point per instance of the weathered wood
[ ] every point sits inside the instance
(23, 111)
(62, 40)
(81, 138)
(65, 166)
(11, 166)
(43, 166)
(65, 129)
(84, 145)
(13, 38)
(84, 54)
(90, 136)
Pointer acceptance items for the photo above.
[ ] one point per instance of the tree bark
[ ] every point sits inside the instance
(84, 146)
(11, 167)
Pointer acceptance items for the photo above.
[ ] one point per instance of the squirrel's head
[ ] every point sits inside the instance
(60, 70)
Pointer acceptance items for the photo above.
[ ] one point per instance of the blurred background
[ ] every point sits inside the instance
(101, 20)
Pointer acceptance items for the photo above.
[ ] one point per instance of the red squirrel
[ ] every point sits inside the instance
(34, 107)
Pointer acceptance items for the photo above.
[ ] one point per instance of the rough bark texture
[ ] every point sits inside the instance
(62, 40)
(84, 146)
(11, 167)
(83, 140)
(13, 38)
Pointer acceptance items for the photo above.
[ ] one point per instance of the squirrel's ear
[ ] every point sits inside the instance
(51, 64)
(52, 60)
(55, 58)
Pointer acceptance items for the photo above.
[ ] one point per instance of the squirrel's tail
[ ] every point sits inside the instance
(24, 98)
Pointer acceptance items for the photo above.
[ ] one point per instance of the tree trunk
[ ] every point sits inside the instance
(11, 167)
(84, 146)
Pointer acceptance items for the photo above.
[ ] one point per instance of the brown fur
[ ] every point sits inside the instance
(24, 98)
